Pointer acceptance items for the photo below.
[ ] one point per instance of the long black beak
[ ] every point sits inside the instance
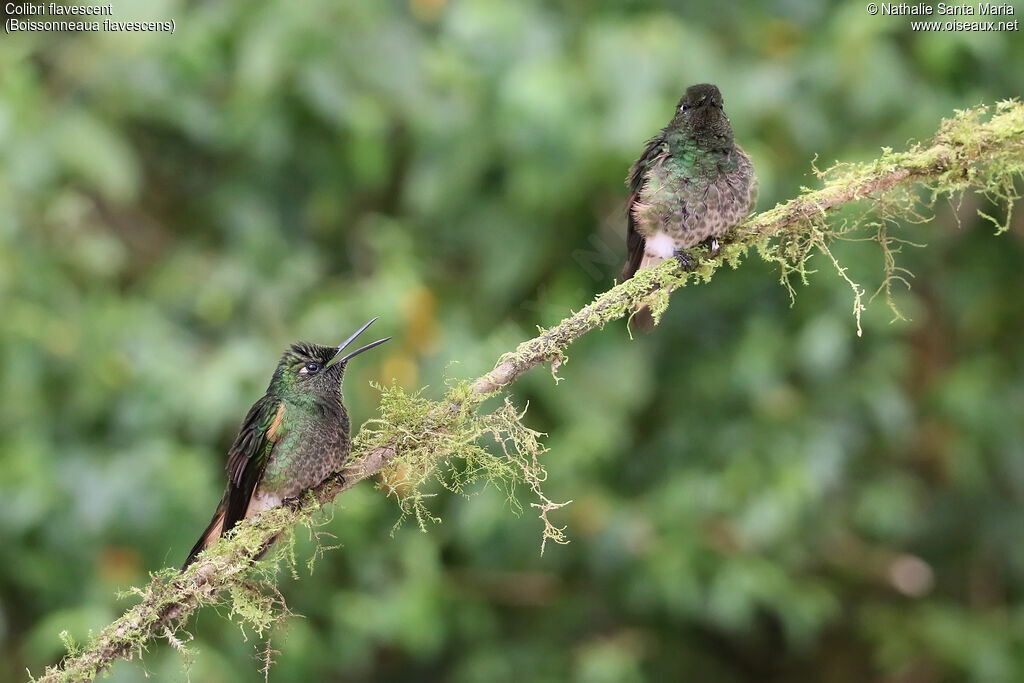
(338, 358)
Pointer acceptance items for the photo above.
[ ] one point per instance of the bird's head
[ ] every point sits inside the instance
(315, 371)
(700, 110)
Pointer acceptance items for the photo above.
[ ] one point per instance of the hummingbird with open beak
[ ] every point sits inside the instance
(292, 439)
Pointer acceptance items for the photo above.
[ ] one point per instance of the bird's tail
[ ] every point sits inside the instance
(642, 320)
(212, 533)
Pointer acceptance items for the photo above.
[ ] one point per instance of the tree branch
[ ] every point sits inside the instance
(969, 152)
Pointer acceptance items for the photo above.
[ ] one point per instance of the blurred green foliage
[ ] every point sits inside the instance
(758, 493)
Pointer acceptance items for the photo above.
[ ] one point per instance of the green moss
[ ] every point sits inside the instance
(257, 604)
(972, 152)
(444, 442)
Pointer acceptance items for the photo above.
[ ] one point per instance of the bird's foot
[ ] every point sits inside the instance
(338, 477)
(293, 502)
(714, 248)
(686, 260)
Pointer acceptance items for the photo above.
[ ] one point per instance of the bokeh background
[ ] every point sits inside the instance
(758, 493)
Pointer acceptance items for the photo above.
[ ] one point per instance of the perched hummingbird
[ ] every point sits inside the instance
(692, 183)
(292, 438)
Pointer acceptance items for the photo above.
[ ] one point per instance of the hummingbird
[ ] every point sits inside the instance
(291, 440)
(691, 184)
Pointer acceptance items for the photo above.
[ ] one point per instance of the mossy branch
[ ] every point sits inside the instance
(971, 152)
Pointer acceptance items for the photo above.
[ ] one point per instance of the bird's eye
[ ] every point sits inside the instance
(684, 107)
(310, 369)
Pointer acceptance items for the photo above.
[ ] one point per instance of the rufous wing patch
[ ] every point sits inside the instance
(214, 530)
(275, 425)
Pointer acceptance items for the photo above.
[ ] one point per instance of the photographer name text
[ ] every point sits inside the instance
(921, 9)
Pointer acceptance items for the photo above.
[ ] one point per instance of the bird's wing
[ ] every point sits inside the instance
(636, 179)
(248, 455)
(748, 172)
(247, 459)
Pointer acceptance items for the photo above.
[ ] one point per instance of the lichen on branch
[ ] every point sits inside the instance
(972, 152)
(442, 442)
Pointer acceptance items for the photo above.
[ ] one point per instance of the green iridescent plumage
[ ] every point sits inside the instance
(291, 440)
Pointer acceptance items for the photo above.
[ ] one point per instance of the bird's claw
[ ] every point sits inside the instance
(293, 502)
(686, 261)
(338, 477)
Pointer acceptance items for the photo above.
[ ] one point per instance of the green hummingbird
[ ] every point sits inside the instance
(692, 183)
(291, 440)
